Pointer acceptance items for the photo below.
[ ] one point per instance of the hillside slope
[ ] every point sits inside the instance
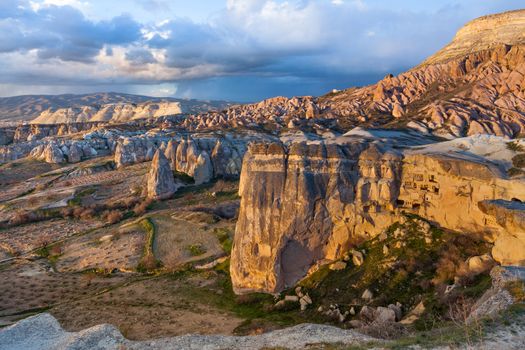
(476, 84)
(94, 107)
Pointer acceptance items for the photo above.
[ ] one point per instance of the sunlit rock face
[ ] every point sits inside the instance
(160, 183)
(114, 112)
(308, 203)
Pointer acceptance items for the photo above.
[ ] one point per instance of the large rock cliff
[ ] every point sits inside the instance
(307, 203)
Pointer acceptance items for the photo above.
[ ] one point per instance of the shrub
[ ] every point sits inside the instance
(196, 249)
(22, 217)
(514, 146)
(86, 213)
(515, 172)
(113, 216)
(518, 161)
(66, 212)
(32, 201)
(449, 265)
(56, 250)
(148, 263)
(223, 235)
(40, 187)
(142, 207)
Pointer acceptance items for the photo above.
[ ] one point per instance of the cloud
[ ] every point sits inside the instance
(57, 30)
(292, 47)
(140, 56)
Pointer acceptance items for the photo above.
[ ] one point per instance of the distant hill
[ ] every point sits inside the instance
(97, 106)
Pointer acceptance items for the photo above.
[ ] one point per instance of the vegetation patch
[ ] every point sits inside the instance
(50, 251)
(148, 262)
(518, 161)
(515, 172)
(225, 238)
(516, 147)
(79, 196)
(196, 249)
(411, 263)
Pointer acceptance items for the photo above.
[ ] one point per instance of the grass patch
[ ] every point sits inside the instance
(148, 262)
(255, 308)
(51, 252)
(225, 238)
(196, 249)
(517, 290)
(79, 196)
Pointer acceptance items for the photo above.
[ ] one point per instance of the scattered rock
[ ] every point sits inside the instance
(338, 265)
(357, 258)
(414, 314)
(480, 264)
(367, 295)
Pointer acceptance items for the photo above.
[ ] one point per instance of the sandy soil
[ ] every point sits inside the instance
(147, 309)
(107, 248)
(29, 285)
(177, 232)
(27, 237)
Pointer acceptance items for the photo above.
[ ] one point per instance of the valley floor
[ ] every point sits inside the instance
(92, 254)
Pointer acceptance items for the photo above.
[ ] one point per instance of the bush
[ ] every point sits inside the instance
(85, 213)
(196, 249)
(66, 212)
(515, 172)
(148, 263)
(223, 235)
(518, 161)
(514, 146)
(142, 207)
(23, 217)
(113, 216)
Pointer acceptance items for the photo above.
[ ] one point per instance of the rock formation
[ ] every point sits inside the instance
(109, 106)
(108, 113)
(161, 183)
(509, 247)
(309, 203)
(194, 162)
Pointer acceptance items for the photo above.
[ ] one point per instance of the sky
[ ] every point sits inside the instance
(237, 50)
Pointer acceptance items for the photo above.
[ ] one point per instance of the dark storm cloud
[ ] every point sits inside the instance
(140, 56)
(61, 32)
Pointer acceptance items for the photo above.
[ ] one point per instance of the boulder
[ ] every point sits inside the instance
(338, 265)
(357, 258)
(479, 264)
(75, 154)
(53, 154)
(367, 295)
(384, 315)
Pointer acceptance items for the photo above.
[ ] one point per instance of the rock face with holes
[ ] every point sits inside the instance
(308, 203)
(161, 183)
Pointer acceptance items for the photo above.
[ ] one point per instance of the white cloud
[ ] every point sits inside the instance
(81, 5)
